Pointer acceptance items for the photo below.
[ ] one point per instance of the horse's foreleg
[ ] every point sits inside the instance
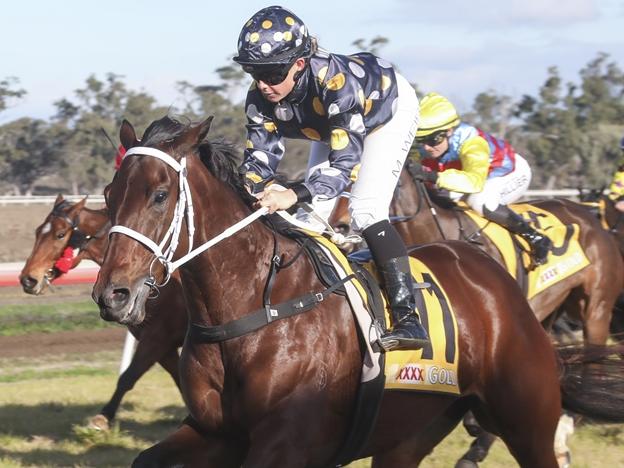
(146, 355)
(170, 362)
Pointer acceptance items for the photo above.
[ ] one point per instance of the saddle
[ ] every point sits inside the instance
(431, 369)
(565, 259)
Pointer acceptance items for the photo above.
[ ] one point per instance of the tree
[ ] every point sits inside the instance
(491, 112)
(8, 92)
(373, 45)
(571, 131)
(29, 150)
(100, 105)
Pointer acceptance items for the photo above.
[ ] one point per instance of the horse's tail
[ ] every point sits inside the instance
(592, 381)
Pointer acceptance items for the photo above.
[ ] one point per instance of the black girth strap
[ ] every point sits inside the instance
(261, 317)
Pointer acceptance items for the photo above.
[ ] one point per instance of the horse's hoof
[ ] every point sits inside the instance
(99, 422)
(564, 460)
(463, 463)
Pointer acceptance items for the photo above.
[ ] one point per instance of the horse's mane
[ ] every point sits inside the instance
(60, 208)
(220, 157)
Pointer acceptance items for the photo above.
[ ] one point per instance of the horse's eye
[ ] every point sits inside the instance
(60, 235)
(160, 197)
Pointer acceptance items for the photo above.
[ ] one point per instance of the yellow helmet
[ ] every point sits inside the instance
(436, 113)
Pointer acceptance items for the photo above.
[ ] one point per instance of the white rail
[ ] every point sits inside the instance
(49, 199)
(45, 199)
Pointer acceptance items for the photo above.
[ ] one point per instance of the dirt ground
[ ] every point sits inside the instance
(71, 342)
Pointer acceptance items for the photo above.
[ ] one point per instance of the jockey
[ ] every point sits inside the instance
(467, 161)
(336, 101)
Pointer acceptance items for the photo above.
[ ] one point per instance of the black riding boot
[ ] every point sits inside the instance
(540, 244)
(390, 256)
(407, 331)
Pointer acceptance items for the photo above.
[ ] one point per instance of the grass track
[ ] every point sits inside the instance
(45, 400)
(18, 319)
(41, 420)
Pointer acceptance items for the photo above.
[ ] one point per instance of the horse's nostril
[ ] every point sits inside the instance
(28, 282)
(119, 297)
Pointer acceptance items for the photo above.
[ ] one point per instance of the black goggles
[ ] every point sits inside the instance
(432, 140)
(269, 75)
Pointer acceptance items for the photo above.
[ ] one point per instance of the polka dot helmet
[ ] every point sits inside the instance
(273, 36)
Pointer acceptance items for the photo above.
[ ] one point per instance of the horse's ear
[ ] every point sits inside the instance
(204, 127)
(127, 135)
(195, 135)
(59, 199)
(79, 206)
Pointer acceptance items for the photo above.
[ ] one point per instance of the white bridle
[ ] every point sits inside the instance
(184, 206)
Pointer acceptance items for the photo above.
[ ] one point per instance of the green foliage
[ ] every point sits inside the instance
(100, 107)
(8, 93)
(567, 131)
(203, 101)
(491, 112)
(29, 150)
(571, 131)
(373, 45)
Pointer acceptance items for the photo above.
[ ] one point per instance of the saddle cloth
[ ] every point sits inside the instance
(566, 258)
(431, 369)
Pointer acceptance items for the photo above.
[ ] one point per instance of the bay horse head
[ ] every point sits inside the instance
(149, 187)
(52, 237)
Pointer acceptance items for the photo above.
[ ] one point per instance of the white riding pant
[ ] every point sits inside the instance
(500, 190)
(382, 160)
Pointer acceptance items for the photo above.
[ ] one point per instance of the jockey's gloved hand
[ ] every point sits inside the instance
(423, 173)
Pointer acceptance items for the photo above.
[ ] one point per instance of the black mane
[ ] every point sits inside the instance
(165, 129)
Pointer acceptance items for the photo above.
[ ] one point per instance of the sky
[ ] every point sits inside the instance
(457, 48)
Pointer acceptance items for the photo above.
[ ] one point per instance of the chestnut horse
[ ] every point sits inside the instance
(159, 335)
(283, 394)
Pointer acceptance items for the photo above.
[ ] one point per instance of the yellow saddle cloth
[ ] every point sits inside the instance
(433, 368)
(565, 259)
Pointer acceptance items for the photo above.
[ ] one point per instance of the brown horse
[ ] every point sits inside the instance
(587, 296)
(283, 394)
(611, 218)
(159, 335)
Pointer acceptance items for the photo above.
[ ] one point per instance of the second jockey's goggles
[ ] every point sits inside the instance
(432, 140)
